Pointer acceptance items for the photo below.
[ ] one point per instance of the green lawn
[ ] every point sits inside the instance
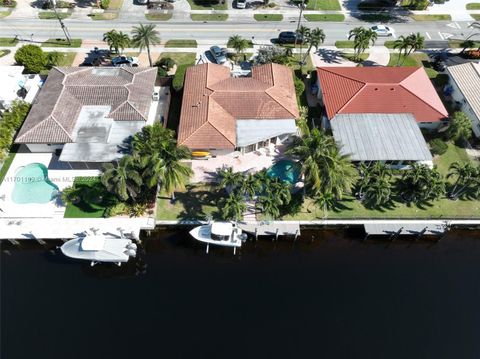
(453, 154)
(475, 16)
(205, 5)
(344, 44)
(209, 17)
(8, 41)
(457, 44)
(351, 57)
(268, 17)
(4, 52)
(323, 5)
(415, 59)
(181, 43)
(473, 6)
(5, 13)
(325, 17)
(6, 165)
(50, 15)
(389, 44)
(181, 58)
(66, 58)
(196, 202)
(437, 17)
(409, 60)
(85, 209)
(62, 43)
(158, 16)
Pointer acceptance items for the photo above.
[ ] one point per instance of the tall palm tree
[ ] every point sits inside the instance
(401, 44)
(229, 179)
(421, 183)
(116, 40)
(416, 42)
(238, 43)
(315, 38)
(464, 173)
(305, 32)
(250, 186)
(270, 204)
(281, 190)
(144, 36)
(122, 179)
(234, 207)
(362, 38)
(374, 187)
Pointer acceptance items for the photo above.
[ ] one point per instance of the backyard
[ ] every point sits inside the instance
(93, 199)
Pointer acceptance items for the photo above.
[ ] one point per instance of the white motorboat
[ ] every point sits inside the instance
(100, 248)
(224, 234)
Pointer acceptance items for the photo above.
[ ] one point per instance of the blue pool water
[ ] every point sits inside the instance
(32, 185)
(285, 170)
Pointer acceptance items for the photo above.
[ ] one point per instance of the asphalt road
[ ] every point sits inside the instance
(209, 33)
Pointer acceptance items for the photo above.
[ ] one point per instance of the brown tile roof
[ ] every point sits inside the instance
(380, 90)
(52, 119)
(213, 101)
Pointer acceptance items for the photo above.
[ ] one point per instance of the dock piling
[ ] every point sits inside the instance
(296, 235)
(276, 234)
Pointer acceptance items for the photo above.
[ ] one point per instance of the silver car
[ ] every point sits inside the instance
(218, 54)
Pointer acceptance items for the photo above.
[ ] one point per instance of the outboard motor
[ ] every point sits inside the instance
(131, 252)
(132, 246)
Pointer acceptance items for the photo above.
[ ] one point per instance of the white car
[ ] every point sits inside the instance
(241, 4)
(382, 30)
(125, 61)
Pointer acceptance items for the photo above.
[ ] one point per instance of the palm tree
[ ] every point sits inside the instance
(270, 204)
(464, 173)
(416, 42)
(466, 45)
(315, 38)
(144, 36)
(402, 44)
(460, 127)
(116, 40)
(229, 179)
(421, 183)
(250, 186)
(122, 179)
(237, 43)
(374, 186)
(362, 38)
(305, 33)
(234, 207)
(281, 190)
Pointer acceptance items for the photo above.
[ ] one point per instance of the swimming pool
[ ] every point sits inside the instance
(285, 170)
(32, 185)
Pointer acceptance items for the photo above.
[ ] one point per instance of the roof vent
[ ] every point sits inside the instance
(376, 88)
(392, 89)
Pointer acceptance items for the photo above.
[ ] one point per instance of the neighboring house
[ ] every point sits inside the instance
(221, 113)
(90, 113)
(14, 85)
(376, 112)
(466, 91)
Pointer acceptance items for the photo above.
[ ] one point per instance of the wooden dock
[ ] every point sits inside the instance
(271, 228)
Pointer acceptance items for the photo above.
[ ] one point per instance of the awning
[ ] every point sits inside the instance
(250, 132)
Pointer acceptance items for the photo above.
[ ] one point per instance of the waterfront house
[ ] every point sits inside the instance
(87, 114)
(376, 113)
(221, 113)
(465, 90)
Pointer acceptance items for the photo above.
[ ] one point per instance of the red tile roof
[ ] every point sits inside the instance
(213, 101)
(380, 90)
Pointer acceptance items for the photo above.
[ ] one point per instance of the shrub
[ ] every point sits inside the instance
(32, 58)
(179, 77)
(272, 4)
(161, 72)
(117, 210)
(104, 4)
(373, 5)
(137, 209)
(438, 146)
(460, 127)
(299, 85)
(8, 3)
(53, 59)
(166, 63)
(10, 123)
(270, 54)
(472, 54)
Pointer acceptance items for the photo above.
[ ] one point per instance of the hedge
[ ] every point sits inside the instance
(179, 77)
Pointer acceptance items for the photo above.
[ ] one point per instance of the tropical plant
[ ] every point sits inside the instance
(144, 36)
(233, 207)
(122, 179)
(302, 123)
(374, 186)
(32, 58)
(237, 43)
(304, 32)
(250, 185)
(315, 38)
(460, 127)
(166, 63)
(53, 59)
(325, 169)
(270, 204)
(407, 45)
(229, 179)
(70, 194)
(116, 209)
(116, 40)
(464, 173)
(269, 54)
(362, 38)
(467, 44)
(438, 146)
(420, 184)
(10, 122)
(137, 209)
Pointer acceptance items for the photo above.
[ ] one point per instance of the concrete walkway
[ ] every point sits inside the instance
(378, 56)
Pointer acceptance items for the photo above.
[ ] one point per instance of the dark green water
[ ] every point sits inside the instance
(335, 297)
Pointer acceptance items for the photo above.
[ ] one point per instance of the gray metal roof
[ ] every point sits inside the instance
(254, 131)
(380, 137)
(467, 78)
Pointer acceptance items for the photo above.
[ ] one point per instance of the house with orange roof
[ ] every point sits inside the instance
(221, 113)
(376, 113)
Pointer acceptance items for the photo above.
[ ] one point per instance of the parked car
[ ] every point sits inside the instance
(125, 61)
(382, 30)
(219, 55)
(289, 37)
(241, 4)
(142, 2)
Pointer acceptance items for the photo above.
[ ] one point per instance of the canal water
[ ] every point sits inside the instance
(328, 295)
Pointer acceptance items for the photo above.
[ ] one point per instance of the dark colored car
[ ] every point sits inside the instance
(289, 37)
